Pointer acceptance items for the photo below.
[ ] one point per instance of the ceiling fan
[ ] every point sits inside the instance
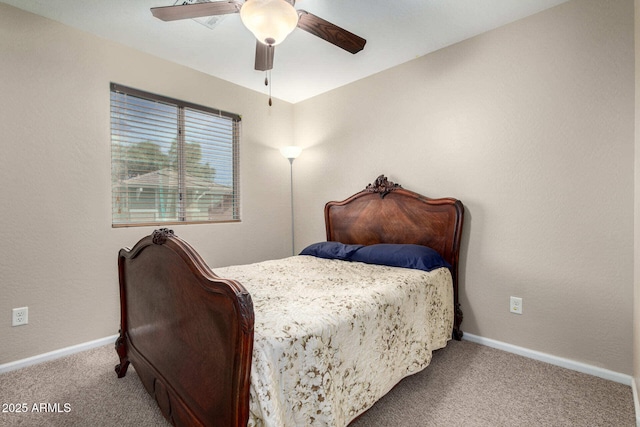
(269, 20)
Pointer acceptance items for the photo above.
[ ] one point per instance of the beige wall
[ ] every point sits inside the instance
(58, 254)
(532, 127)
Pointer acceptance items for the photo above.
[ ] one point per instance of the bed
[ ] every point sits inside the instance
(313, 339)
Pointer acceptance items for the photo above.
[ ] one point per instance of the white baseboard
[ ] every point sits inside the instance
(56, 354)
(554, 360)
(532, 354)
(636, 401)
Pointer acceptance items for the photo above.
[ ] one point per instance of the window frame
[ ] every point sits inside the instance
(182, 191)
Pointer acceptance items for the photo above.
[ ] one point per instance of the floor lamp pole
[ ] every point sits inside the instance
(293, 236)
(291, 153)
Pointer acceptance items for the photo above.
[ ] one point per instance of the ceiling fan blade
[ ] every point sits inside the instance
(196, 10)
(264, 56)
(330, 32)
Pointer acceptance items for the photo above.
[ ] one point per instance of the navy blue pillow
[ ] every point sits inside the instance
(331, 250)
(399, 255)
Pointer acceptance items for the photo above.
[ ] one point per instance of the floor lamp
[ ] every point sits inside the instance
(291, 152)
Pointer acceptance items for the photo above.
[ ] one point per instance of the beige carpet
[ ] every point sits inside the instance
(466, 385)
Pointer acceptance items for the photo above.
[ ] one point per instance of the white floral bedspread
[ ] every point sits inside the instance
(332, 337)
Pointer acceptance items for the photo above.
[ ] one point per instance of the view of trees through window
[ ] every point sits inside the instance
(171, 161)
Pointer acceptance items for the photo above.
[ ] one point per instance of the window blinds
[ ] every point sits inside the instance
(172, 162)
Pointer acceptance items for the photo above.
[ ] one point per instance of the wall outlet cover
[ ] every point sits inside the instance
(515, 305)
(19, 316)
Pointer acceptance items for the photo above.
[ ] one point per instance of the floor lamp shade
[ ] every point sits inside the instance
(291, 152)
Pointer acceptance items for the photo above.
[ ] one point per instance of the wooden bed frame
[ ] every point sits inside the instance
(189, 333)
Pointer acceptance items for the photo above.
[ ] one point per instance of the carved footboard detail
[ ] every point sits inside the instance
(187, 332)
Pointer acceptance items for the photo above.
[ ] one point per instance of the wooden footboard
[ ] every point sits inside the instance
(187, 332)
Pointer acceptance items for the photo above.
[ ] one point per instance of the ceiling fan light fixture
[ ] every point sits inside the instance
(270, 21)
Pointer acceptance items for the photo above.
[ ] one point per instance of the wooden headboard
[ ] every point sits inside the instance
(384, 212)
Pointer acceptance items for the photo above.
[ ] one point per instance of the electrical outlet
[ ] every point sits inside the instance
(20, 316)
(515, 305)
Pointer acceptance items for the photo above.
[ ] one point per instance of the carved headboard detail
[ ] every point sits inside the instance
(382, 186)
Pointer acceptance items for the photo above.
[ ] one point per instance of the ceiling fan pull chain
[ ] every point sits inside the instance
(266, 82)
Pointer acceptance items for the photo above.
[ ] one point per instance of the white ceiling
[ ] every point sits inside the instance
(304, 66)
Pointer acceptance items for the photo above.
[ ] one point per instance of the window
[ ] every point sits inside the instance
(172, 162)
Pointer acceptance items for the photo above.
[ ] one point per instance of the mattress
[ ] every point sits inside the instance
(332, 337)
